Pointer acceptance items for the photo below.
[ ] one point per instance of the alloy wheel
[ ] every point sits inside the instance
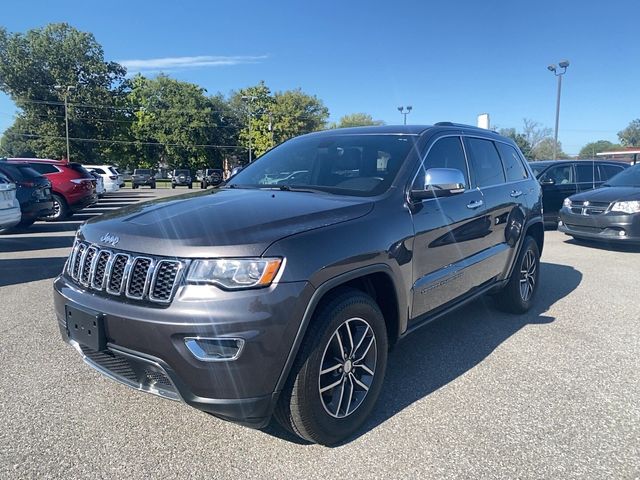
(528, 270)
(347, 368)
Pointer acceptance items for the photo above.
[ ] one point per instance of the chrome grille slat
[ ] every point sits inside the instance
(136, 277)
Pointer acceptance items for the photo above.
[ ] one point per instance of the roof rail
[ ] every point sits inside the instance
(461, 125)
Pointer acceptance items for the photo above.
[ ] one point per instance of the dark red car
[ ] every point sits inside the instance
(72, 186)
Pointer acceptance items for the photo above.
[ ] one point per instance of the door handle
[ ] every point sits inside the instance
(475, 204)
(515, 193)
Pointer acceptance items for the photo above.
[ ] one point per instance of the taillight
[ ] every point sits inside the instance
(113, 177)
(80, 181)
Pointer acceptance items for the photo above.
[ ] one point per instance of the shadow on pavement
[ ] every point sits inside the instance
(440, 352)
(24, 244)
(614, 247)
(24, 270)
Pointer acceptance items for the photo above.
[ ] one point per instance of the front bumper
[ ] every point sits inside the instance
(603, 227)
(146, 349)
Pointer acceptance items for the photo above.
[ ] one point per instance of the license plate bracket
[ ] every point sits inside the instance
(86, 327)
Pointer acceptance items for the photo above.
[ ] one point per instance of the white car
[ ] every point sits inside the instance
(10, 214)
(109, 176)
(100, 190)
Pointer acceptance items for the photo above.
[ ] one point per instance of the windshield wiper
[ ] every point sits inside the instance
(290, 188)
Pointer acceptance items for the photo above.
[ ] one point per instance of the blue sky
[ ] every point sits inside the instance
(449, 60)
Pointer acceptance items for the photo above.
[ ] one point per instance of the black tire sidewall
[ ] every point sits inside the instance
(322, 427)
(514, 290)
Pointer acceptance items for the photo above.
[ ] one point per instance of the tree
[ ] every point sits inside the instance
(535, 133)
(591, 149)
(519, 139)
(357, 120)
(544, 150)
(32, 64)
(630, 136)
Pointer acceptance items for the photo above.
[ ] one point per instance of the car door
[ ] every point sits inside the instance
(558, 183)
(447, 230)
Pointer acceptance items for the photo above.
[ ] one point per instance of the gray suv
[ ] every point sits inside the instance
(143, 177)
(271, 297)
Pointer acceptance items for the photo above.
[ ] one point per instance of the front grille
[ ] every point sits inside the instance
(592, 208)
(124, 274)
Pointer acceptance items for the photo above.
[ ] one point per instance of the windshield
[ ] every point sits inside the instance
(360, 165)
(627, 178)
(182, 172)
(537, 169)
(142, 171)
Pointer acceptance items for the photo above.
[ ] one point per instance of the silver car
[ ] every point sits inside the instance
(10, 214)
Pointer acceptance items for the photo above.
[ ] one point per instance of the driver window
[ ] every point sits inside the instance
(447, 152)
(561, 175)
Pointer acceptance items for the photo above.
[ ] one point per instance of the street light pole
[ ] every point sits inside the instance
(405, 113)
(66, 90)
(552, 68)
(250, 98)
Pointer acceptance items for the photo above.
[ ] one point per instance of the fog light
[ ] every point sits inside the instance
(622, 233)
(214, 349)
(560, 223)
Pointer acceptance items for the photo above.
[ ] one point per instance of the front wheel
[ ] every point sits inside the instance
(60, 209)
(339, 371)
(517, 296)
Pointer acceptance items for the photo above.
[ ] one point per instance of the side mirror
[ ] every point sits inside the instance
(548, 181)
(439, 182)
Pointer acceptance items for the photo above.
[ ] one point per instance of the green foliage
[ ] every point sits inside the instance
(591, 149)
(544, 150)
(630, 136)
(519, 139)
(357, 120)
(32, 64)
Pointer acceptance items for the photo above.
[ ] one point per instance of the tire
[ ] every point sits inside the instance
(173, 185)
(309, 405)
(153, 186)
(202, 185)
(190, 186)
(517, 296)
(60, 209)
(134, 186)
(25, 223)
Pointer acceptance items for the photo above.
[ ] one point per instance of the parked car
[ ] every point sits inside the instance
(73, 187)
(181, 178)
(100, 191)
(10, 214)
(110, 178)
(211, 177)
(610, 213)
(33, 191)
(251, 300)
(562, 178)
(235, 170)
(143, 177)
(115, 171)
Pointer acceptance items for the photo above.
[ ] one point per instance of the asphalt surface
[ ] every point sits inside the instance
(480, 394)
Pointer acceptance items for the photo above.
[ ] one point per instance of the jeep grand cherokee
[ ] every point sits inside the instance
(253, 300)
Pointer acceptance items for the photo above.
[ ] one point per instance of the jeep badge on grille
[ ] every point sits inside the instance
(110, 239)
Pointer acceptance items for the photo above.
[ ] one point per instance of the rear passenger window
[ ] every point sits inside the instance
(43, 168)
(447, 152)
(485, 163)
(608, 171)
(584, 172)
(512, 162)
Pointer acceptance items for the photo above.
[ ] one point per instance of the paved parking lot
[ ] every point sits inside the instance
(552, 394)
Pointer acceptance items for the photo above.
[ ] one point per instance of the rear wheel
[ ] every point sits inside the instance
(60, 209)
(153, 185)
(339, 371)
(517, 296)
(190, 186)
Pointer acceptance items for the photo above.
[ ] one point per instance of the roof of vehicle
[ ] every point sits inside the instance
(37, 160)
(546, 163)
(401, 129)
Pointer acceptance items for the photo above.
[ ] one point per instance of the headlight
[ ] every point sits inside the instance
(626, 207)
(566, 203)
(234, 273)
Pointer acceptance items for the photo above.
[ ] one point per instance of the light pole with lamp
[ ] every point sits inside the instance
(405, 112)
(65, 91)
(250, 98)
(552, 68)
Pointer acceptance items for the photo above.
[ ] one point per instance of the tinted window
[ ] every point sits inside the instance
(485, 163)
(585, 172)
(561, 175)
(142, 171)
(608, 171)
(99, 170)
(629, 177)
(336, 163)
(445, 153)
(182, 172)
(513, 166)
(44, 168)
(19, 172)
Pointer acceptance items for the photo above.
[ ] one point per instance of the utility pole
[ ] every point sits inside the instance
(404, 112)
(552, 68)
(271, 127)
(65, 91)
(250, 98)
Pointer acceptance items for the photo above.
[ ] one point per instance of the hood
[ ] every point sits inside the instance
(225, 222)
(608, 194)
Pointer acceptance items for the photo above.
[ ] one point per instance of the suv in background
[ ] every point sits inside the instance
(181, 178)
(211, 176)
(252, 300)
(562, 178)
(110, 177)
(73, 188)
(9, 205)
(143, 177)
(33, 191)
